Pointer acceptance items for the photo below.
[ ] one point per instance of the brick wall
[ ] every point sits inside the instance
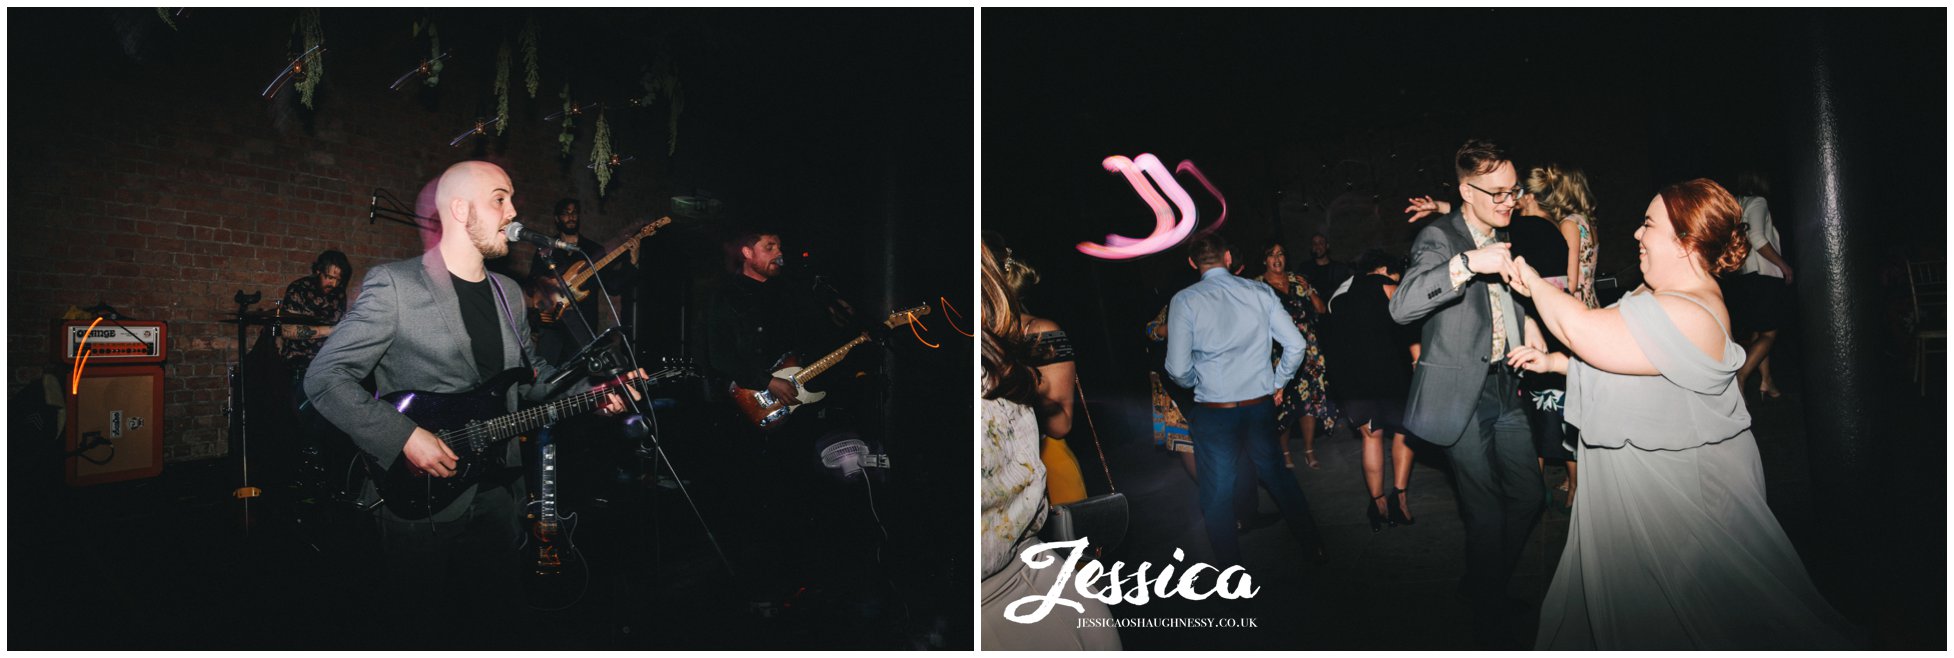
(145, 172)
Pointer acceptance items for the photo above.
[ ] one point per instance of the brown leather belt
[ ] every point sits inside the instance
(1231, 405)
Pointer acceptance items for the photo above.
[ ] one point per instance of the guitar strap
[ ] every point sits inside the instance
(502, 300)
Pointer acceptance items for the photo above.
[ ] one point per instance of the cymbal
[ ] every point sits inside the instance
(273, 317)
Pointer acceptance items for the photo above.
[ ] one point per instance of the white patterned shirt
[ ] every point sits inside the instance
(1013, 495)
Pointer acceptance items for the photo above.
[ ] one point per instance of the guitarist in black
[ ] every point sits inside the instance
(753, 320)
(749, 324)
(441, 323)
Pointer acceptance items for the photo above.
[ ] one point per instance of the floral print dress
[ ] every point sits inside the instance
(1586, 258)
(1309, 391)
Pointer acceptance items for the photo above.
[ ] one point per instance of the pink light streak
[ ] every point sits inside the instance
(1167, 231)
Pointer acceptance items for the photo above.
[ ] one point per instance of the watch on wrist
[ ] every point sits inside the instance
(1465, 259)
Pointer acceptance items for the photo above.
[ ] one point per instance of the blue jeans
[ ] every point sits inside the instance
(1220, 436)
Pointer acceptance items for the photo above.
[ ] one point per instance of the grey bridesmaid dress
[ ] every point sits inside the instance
(1671, 545)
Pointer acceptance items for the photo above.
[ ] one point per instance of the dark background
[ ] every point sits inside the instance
(146, 172)
(1331, 119)
(1328, 120)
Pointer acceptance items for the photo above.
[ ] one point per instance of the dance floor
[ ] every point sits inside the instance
(1395, 589)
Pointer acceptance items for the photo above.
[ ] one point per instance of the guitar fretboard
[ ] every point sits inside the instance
(505, 427)
(820, 366)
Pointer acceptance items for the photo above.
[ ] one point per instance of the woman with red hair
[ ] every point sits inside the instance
(1673, 546)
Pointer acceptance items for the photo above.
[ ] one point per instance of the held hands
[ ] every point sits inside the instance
(1520, 276)
(429, 454)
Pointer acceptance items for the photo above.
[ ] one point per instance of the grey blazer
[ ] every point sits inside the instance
(406, 329)
(1458, 332)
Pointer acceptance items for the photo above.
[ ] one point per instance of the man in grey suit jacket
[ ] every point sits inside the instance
(441, 322)
(1462, 394)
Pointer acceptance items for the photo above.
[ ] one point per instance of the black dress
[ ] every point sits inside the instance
(1541, 243)
(1371, 360)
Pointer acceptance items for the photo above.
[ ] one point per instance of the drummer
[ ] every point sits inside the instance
(312, 305)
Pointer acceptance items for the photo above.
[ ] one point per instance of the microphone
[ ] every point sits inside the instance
(514, 233)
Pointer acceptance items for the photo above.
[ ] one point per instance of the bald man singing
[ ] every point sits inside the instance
(440, 322)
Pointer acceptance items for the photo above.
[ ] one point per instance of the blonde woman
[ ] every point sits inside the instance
(1564, 198)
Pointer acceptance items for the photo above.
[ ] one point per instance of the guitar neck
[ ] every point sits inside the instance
(576, 280)
(503, 428)
(819, 366)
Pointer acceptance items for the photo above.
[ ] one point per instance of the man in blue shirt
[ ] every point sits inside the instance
(1218, 335)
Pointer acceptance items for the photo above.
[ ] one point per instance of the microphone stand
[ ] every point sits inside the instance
(642, 407)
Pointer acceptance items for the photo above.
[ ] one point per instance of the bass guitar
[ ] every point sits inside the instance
(558, 575)
(767, 412)
(473, 424)
(556, 302)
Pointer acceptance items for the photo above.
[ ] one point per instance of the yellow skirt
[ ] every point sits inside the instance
(1063, 481)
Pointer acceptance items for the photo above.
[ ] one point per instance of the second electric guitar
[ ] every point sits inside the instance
(768, 412)
(555, 302)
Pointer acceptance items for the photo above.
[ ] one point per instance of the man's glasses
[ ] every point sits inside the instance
(1501, 197)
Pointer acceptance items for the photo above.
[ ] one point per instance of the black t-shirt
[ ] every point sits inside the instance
(478, 315)
(1324, 278)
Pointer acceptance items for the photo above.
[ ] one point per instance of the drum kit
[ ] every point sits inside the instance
(248, 395)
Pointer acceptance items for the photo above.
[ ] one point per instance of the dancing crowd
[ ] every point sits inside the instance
(1487, 344)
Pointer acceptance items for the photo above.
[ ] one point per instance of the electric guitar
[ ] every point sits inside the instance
(557, 301)
(769, 413)
(558, 575)
(472, 424)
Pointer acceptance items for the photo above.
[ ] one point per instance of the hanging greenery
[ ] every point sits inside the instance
(502, 88)
(532, 75)
(164, 13)
(600, 153)
(661, 78)
(569, 120)
(433, 52)
(433, 48)
(315, 69)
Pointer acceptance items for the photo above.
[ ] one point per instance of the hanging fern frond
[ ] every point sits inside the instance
(502, 88)
(532, 71)
(315, 69)
(661, 79)
(568, 135)
(600, 153)
(676, 100)
(434, 53)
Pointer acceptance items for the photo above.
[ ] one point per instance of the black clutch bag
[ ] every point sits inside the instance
(1100, 519)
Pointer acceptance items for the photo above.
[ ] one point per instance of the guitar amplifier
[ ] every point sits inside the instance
(110, 343)
(115, 424)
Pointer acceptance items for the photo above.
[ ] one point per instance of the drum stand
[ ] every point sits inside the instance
(245, 492)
